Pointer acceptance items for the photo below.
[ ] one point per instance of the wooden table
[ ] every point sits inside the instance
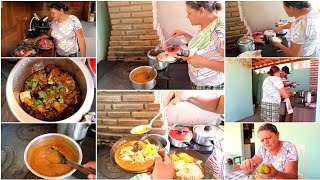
(46, 53)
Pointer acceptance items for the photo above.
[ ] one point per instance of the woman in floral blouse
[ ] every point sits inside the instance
(304, 32)
(66, 31)
(280, 156)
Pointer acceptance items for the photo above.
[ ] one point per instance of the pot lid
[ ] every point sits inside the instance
(205, 130)
(244, 40)
(180, 133)
(166, 57)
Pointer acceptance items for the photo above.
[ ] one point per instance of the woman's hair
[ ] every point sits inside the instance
(273, 70)
(208, 5)
(59, 6)
(297, 4)
(269, 127)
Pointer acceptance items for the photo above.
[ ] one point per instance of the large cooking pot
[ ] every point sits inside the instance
(25, 67)
(143, 85)
(246, 43)
(163, 140)
(204, 134)
(180, 136)
(152, 58)
(56, 140)
(76, 131)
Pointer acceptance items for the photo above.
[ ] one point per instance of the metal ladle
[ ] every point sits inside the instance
(53, 155)
(141, 129)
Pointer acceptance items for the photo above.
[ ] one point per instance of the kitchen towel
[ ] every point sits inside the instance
(289, 107)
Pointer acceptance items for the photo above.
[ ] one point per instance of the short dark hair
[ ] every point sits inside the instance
(59, 6)
(297, 4)
(269, 127)
(208, 5)
(273, 70)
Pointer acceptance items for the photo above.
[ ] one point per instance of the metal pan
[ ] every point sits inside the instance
(24, 46)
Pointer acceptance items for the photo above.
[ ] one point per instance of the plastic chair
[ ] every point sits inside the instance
(300, 150)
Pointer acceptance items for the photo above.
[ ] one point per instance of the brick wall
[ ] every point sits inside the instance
(235, 28)
(119, 111)
(132, 30)
(314, 74)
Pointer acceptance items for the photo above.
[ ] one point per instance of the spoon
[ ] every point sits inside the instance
(141, 129)
(158, 46)
(53, 155)
(152, 69)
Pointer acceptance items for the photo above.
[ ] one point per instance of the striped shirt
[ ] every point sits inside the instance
(207, 44)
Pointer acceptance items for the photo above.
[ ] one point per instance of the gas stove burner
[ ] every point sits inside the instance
(28, 132)
(7, 156)
(110, 170)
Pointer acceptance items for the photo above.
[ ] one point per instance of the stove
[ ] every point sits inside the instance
(115, 75)
(16, 137)
(196, 147)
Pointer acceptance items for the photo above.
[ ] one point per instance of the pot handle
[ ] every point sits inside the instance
(189, 144)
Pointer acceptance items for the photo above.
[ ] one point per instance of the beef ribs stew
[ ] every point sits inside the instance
(50, 94)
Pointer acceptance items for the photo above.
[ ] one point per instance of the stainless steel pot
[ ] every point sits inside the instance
(245, 43)
(148, 85)
(282, 31)
(308, 98)
(25, 67)
(204, 134)
(77, 131)
(301, 93)
(152, 58)
(180, 137)
(51, 139)
(164, 141)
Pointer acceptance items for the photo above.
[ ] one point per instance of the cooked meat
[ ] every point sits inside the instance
(137, 146)
(50, 94)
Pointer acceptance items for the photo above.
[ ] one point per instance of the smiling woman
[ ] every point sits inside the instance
(278, 159)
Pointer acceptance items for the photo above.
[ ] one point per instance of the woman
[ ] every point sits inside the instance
(303, 32)
(205, 60)
(280, 156)
(273, 89)
(66, 31)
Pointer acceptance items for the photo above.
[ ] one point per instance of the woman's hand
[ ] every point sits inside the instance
(31, 41)
(163, 169)
(273, 173)
(196, 61)
(278, 28)
(181, 32)
(176, 96)
(276, 43)
(92, 165)
(248, 165)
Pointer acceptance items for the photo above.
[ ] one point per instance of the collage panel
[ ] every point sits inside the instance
(33, 151)
(48, 90)
(271, 89)
(272, 28)
(136, 127)
(48, 29)
(186, 51)
(271, 150)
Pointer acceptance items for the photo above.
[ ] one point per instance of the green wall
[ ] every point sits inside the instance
(103, 30)
(238, 89)
(304, 134)
(234, 139)
(301, 76)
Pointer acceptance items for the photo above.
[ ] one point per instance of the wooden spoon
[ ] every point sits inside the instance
(53, 155)
(152, 69)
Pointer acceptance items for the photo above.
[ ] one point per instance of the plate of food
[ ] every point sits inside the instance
(189, 164)
(136, 154)
(45, 44)
(25, 51)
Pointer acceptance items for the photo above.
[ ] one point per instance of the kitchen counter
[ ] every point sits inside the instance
(46, 53)
(302, 113)
(268, 49)
(115, 75)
